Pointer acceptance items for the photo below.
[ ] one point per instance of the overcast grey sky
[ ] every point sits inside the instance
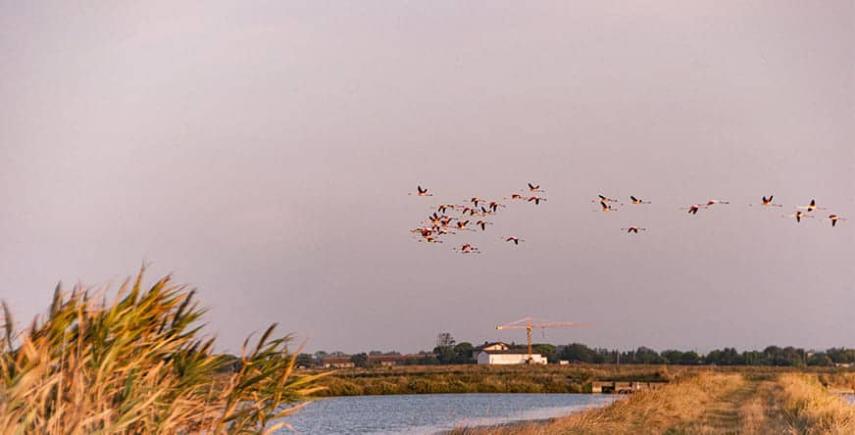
(263, 151)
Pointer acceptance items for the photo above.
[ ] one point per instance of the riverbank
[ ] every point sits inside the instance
(575, 378)
(485, 379)
(709, 402)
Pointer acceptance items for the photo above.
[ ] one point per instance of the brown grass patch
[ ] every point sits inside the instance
(810, 409)
(676, 406)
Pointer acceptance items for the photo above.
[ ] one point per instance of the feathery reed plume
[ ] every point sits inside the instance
(139, 365)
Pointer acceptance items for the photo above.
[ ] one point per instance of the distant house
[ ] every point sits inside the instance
(337, 362)
(391, 360)
(508, 357)
(488, 347)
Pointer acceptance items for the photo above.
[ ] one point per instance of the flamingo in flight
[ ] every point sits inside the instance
(633, 229)
(767, 201)
(534, 188)
(536, 199)
(424, 232)
(637, 201)
(514, 240)
(469, 211)
(834, 218)
(461, 225)
(422, 191)
(483, 224)
(716, 201)
(604, 198)
(445, 207)
(695, 208)
(799, 215)
(811, 207)
(467, 248)
(605, 207)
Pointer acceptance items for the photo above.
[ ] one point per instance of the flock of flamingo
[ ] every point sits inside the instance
(442, 222)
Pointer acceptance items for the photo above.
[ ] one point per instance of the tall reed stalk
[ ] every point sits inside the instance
(140, 365)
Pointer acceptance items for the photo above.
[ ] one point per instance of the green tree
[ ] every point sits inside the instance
(548, 351)
(578, 352)
(672, 356)
(463, 353)
(360, 360)
(305, 360)
(820, 359)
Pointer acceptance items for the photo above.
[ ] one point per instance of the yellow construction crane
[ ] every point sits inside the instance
(529, 324)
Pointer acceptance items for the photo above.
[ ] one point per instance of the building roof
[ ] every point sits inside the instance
(509, 352)
(336, 360)
(495, 343)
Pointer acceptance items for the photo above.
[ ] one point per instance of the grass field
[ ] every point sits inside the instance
(575, 378)
(484, 379)
(744, 401)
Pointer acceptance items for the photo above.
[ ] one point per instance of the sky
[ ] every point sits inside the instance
(264, 152)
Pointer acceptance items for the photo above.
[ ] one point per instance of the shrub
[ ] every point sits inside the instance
(138, 365)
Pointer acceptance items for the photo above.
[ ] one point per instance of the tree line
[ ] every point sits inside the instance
(449, 351)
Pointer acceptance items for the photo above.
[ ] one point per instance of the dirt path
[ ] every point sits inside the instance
(709, 403)
(726, 414)
(748, 409)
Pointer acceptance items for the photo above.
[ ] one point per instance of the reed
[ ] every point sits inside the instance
(139, 364)
(810, 409)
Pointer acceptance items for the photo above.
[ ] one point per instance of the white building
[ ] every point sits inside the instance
(505, 357)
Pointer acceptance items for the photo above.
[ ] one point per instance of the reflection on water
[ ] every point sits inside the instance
(431, 413)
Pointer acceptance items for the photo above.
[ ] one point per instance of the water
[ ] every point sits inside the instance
(432, 413)
(849, 398)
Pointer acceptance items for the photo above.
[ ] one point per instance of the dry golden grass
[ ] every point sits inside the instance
(810, 409)
(711, 403)
(137, 365)
(679, 406)
(752, 414)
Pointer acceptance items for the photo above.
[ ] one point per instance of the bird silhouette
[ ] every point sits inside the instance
(834, 219)
(534, 187)
(483, 224)
(811, 207)
(605, 207)
(716, 201)
(467, 248)
(422, 191)
(637, 201)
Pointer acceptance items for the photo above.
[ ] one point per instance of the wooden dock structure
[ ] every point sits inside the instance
(618, 387)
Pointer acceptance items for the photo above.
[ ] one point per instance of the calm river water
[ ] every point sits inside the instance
(432, 413)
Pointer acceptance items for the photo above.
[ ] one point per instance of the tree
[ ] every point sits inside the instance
(360, 360)
(444, 349)
(578, 352)
(690, 358)
(644, 355)
(548, 351)
(305, 360)
(444, 339)
(463, 353)
(444, 355)
(672, 356)
(820, 359)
